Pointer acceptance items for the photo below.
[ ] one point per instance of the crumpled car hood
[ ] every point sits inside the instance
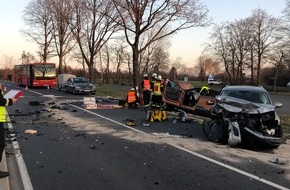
(237, 105)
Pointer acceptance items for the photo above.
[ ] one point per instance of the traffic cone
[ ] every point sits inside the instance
(26, 88)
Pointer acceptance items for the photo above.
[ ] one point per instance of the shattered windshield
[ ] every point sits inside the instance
(252, 96)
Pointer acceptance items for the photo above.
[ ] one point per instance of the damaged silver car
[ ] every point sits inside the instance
(245, 115)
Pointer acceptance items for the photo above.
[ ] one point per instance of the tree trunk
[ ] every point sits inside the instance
(135, 65)
(60, 70)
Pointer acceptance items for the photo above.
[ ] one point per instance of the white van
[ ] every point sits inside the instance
(212, 81)
(62, 78)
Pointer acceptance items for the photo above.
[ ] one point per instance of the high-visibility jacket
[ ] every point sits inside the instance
(146, 84)
(204, 88)
(131, 96)
(157, 88)
(3, 112)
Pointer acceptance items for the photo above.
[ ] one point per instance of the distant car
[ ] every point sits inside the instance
(180, 94)
(78, 85)
(214, 82)
(288, 85)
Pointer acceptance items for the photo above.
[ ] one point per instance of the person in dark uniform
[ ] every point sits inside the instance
(146, 87)
(3, 119)
(156, 99)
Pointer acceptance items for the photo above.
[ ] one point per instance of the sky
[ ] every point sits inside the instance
(187, 45)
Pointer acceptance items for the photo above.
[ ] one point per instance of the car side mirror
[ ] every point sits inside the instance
(209, 102)
(278, 104)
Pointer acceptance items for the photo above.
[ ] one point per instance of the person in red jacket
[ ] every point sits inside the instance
(146, 87)
(3, 119)
(132, 98)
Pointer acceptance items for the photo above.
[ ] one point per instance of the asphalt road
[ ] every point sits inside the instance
(285, 100)
(78, 149)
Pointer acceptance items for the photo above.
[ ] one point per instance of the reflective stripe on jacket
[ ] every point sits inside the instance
(146, 84)
(157, 88)
(131, 96)
(3, 114)
(204, 88)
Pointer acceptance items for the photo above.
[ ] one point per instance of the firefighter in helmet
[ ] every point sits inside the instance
(132, 98)
(157, 92)
(146, 88)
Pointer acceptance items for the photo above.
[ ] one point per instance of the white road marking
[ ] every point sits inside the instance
(20, 162)
(232, 168)
(109, 119)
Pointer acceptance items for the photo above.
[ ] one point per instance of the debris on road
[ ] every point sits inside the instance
(30, 131)
(146, 125)
(130, 122)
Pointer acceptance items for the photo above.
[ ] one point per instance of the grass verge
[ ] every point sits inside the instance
(116, 91)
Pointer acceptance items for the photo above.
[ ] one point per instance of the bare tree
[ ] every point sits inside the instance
(9, 61)
(61, 15)
(106, 59)
(285, 30)
(155, 17)
(277, 60)
(223, 50)
(26, 57)
(92, 25)
(205, 65)
(244, 44)
(172, 74)
(38, 19)
(155, 57)
(160, 58)
(264, 28)
(121, 55)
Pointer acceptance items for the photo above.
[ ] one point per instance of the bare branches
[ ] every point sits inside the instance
(152, 20)
(92, 27)
(244, 44)
(37, 17)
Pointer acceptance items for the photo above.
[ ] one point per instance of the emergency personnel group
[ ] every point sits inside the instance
(151, 90)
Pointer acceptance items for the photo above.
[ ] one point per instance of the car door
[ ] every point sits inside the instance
(172, 93)
(206, 96)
